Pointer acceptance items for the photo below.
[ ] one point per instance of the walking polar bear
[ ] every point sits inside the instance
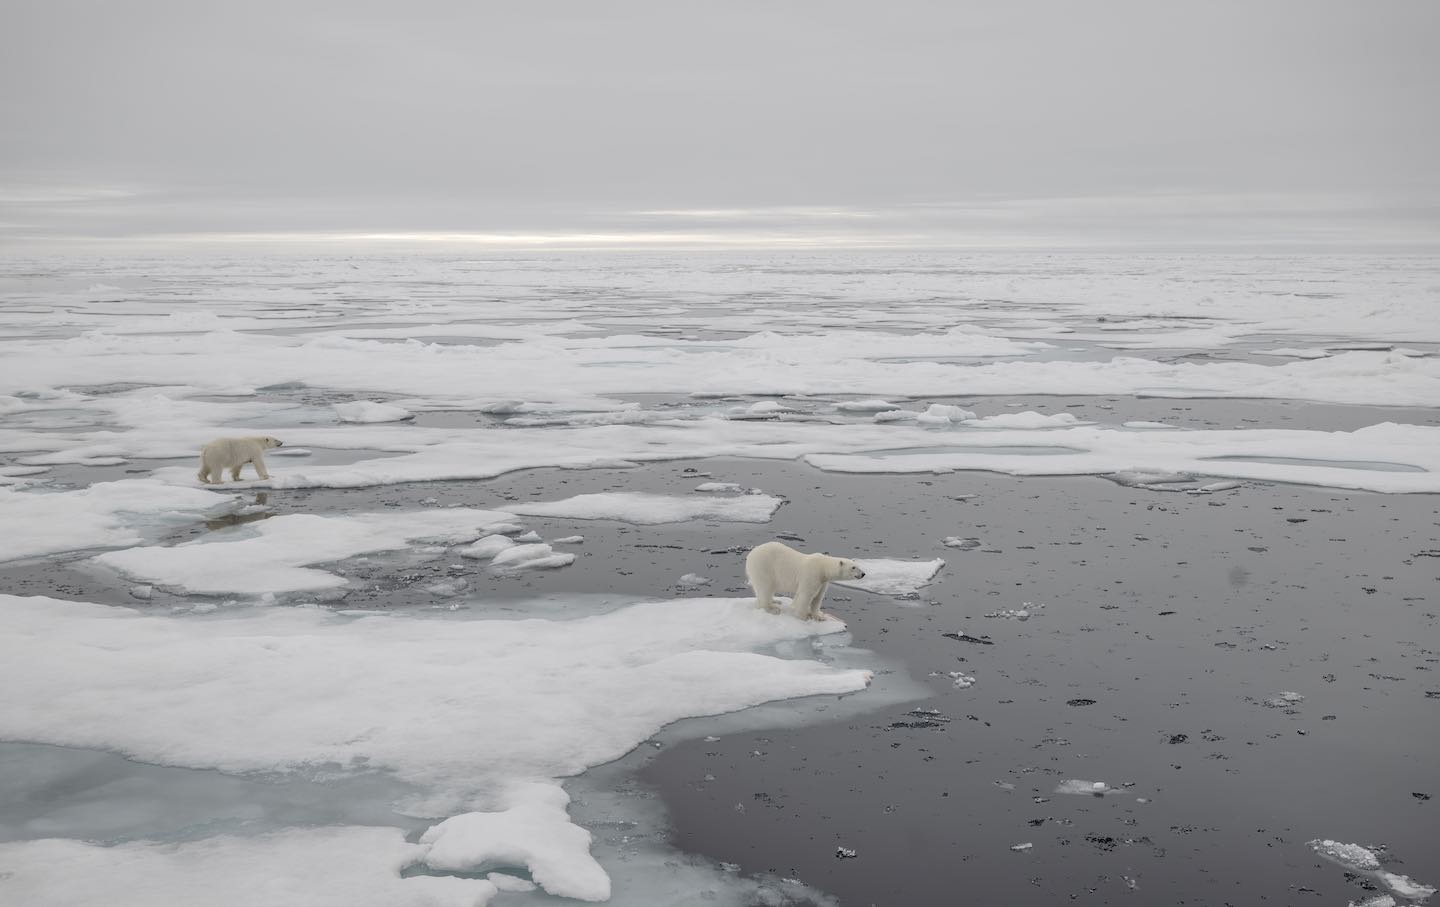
(774, 567)
(232, 454)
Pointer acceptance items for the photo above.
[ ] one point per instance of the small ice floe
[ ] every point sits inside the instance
(961, 680)
(888, 576)
(897, 415)
(1141, 423)
(716, 487)
(866, 406)
(289, 452)
(1216, 486)
(763, 409)
(531, 557)
(1021, 848)
(1283, 700)
(1152, 479)
(487, 547)
(1024, 612)
(1026, 420)
(693, 579)
(569, 540)
(964, 544)
(1295, 353)
(531, 536)
(1362, 860)
(1085, 788)
(370, 411)
(943, 414)
(449, 588)
(845, 853)
(142, 592)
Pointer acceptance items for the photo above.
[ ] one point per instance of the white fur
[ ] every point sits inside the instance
(775, 567)
(232, 454)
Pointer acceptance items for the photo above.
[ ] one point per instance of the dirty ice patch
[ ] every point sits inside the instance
(531, 830)
(651, 509)
(105, 515)
(339, 866)
(887, 576)
(1366, 862)
(274, 555)
(277, 689)
(370, 411)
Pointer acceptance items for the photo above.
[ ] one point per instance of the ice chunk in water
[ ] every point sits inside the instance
(1284, 699)
(719, 486)
(888, 576)
(370, 411)
(1085, 788)
(487, 547)
(865, 406)
(531, 557)
(692, 579)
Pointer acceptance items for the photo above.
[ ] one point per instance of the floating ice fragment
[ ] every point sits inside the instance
(1219, 486)
(142, 592)
(487, 547)
(1026, 420)
(1355, 858)
(1085, 788)
(531, 557)
(531, 536)
(1021, 848)
(962, 680)
(719, 486)
(370, 411)
(569, 540)
(1380, 900)
(897, 415)
(289, 452)
(888, 576)
(943, 414)
(964, 544)
(692, 579)
(845, 853)
(650, 509)
(1140, 423)
(1284, 699)
(1406, 887)
(865, 406)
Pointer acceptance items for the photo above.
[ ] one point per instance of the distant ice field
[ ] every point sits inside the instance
(383, 372)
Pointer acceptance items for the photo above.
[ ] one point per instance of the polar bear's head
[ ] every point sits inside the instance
(271, 442)
(848, 569)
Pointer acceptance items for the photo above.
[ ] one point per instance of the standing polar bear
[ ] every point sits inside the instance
(232, 454)
(774, 567)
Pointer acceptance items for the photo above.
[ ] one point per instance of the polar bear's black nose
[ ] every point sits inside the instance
(862, 574)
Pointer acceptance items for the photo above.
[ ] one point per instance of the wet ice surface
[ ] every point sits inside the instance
(1170, 620)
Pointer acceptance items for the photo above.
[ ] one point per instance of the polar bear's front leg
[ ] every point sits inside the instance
(259, 464)
(807, 600)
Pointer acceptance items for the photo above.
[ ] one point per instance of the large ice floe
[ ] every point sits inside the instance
(302, 689)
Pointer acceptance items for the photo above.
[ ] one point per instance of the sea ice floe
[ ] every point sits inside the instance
(693, 579)
(538, 556)
(486, 547)
(943, 414)
(865, 406)
(370, 411)
(284, 689)
(889, 576)
(1085, 788)
(531, 829)
(650, 509)
(274, 555)
(334, 866)
(719, 487)
(1025, 420)
(105, 515)
(1366, 862)
(1284, 700)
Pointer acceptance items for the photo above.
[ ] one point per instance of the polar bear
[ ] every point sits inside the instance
(775, 567)
(232, 454)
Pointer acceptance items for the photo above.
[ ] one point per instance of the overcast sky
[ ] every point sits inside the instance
(589, 122)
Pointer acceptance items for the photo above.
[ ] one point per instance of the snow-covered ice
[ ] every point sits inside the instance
(274, 555)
